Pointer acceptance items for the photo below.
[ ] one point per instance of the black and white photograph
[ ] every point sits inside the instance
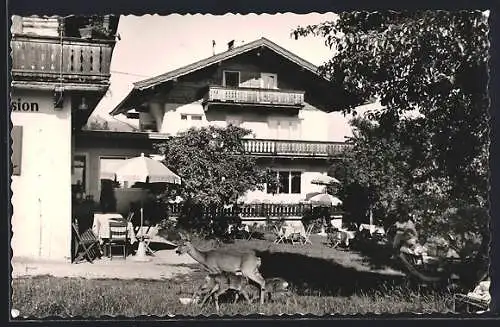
(250, 164)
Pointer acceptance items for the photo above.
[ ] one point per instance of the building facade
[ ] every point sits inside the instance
(292, 111)
(58, 77)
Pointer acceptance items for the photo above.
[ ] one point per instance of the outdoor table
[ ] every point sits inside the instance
(349, 235)
(294, 228)
(101, 226)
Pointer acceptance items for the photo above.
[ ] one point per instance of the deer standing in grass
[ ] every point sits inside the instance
(217, 262)
(216, 285)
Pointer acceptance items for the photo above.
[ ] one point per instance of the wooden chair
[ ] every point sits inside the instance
(87, 245)
(118, 237)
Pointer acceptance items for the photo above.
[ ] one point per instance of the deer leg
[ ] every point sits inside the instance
(212, 291)
(245, 295)
(216, 298)
(257, 277)
(236, 297)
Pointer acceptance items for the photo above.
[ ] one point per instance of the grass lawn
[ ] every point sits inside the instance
(323, 281)
(66, 297)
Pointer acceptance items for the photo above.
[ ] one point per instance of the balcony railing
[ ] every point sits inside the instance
(50, 58)
(294, 148)
(262, 211)
(251, 96)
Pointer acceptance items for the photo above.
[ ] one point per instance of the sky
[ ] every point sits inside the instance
(151, 44)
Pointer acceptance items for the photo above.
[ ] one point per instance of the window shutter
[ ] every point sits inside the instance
(17, 149)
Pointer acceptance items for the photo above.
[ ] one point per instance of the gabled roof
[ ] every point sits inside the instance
(262, 42)
(147, 83)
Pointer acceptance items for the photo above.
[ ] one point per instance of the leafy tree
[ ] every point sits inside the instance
(433, 63)
(215, 171)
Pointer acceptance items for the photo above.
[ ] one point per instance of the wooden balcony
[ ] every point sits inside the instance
(255, 97)
(294, 148)
(69, 60)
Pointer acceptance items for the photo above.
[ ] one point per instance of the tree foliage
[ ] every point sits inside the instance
(432, 164)
(214, 167)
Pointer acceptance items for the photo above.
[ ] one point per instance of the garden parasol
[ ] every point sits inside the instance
(145, 170)
(323, 199)
(324, 180)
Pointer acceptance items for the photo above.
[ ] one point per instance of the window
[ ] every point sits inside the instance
(269, 81)
(288, 182)
(295, 183)
(231, 79)
(191, 120)
(233, 120)
(284, 182)
(284, 129)
(17, 149)
(79, 174)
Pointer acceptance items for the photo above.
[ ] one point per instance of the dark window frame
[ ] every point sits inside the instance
(224, 79)
(291, 175)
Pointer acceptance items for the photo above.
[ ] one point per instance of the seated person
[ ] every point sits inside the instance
(405, 230)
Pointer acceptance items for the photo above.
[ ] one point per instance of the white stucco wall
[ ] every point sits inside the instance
(41, 195)
(314, 124)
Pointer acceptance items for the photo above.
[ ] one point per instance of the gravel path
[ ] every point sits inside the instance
(164, 265)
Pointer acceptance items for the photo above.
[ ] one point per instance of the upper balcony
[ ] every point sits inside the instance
(274, 98)
(56, 59)
(294, 148)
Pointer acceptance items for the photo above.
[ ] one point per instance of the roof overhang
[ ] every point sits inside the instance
(145, 88)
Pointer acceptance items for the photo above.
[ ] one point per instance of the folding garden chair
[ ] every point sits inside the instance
(130, 217)
(251, 231)
(280, 235)
(307, 235)
(467, 304)
(150, 232)
(118, 237)
(87, 245)
(335, 238)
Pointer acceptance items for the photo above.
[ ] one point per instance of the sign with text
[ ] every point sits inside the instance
(23, 106)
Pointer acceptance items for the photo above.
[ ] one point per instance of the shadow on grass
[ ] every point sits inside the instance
(313, 275)
(377, 256)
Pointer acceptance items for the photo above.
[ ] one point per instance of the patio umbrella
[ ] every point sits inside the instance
(323, 199)
(324, 180)
(145, 170)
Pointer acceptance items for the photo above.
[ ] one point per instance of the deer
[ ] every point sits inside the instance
(216, 285)
(217, 262)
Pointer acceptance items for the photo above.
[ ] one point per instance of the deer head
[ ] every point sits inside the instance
(184, 244)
